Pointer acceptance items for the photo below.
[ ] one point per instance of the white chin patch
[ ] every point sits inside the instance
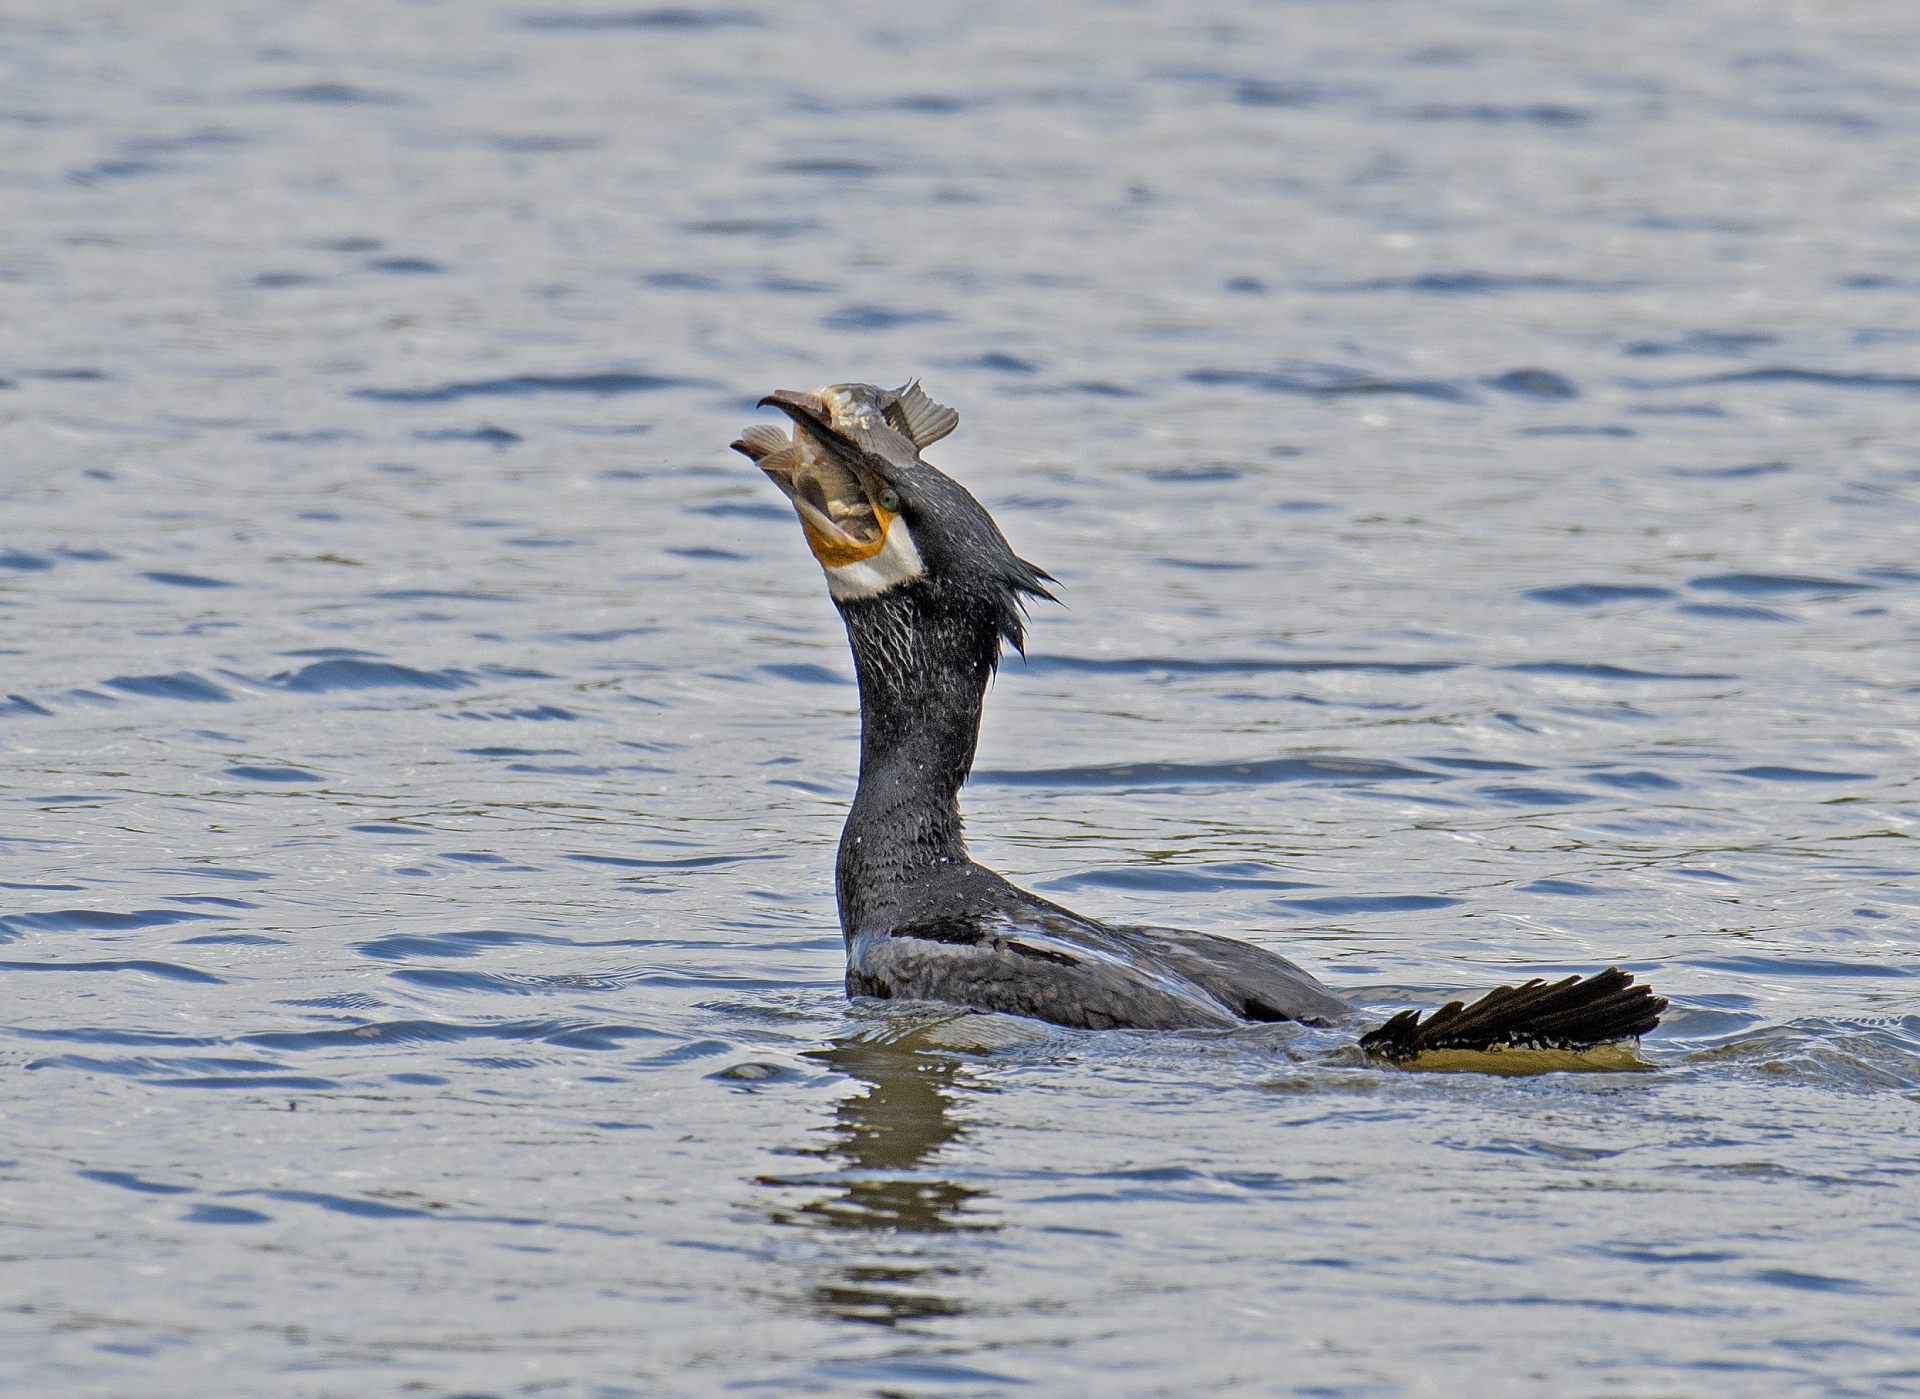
(897, 562)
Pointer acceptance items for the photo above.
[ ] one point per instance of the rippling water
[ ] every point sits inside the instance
(1476, 444)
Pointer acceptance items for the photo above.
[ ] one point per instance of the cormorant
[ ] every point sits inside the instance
(930, 590)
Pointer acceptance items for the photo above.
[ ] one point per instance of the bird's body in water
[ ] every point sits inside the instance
(930, 591)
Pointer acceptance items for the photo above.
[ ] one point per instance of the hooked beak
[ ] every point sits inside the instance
(801, 407)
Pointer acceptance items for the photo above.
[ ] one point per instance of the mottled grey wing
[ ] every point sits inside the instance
(1020, 969)
(1249, 981)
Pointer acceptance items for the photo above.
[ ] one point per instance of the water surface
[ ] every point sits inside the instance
(1476, 446)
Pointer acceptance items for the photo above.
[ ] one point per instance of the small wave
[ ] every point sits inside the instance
(1260, 92)
(1864, 1055)
(181, 685)
(1098, 388)
(187, 580)
(323, 677)
(126, 1180)
(689, 862)
(1731, 473)
(1000, 363)
(1206, 565)
(684, 281)
(167, 970)
(1594, 594)
(263, 774)
(1634, 781)
(1591, 670)
(1703, 342)
(20, 704)
(1341, 905)
(570, 1034)
(1788, 374)
(755, 228)
(1810, 1282)
(1731, 612)
(203, 871)
(75, 920)
(828, 165)
(112, 170)
(521, 385)
(409, 945)
(1247, 665)
(1767, 773)
(1578, 430)
(1775, 585)
(331, 95)
(246, 1081)
(1329, 381)
(1534, 796)
(344, 1204)
(1499, 114)
(740, 510)
(1170, 879)
(1137, 775)
(807, 674)
(1533, 383)
(1193, 475)
(615, 634)
(935, 104)
(1481, 284)
(879, 318)
(148, 1066)
(539, 714)
(22, 562)
(487, 432)
(397, 946)
(1562, 888)
(1758, 966)
(511, 983)
(667, 18)
(224, 1214)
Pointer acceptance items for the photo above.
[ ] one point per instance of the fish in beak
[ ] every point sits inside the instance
(832, 470)
(844, 521)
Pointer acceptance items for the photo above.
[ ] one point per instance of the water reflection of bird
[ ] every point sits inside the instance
(883, 1137)
(929, 590)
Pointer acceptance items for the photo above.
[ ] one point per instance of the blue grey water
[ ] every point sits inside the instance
(1477, 445)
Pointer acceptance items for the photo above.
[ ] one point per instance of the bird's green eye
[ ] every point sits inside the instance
(890, 501)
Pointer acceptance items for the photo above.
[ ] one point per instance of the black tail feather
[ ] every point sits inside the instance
(1570, 1014)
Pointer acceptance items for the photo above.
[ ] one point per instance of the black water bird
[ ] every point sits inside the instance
(930, 591)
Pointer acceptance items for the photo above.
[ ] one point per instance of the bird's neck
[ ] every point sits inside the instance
(923, 660)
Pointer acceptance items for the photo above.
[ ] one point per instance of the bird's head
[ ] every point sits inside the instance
(875, 514)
